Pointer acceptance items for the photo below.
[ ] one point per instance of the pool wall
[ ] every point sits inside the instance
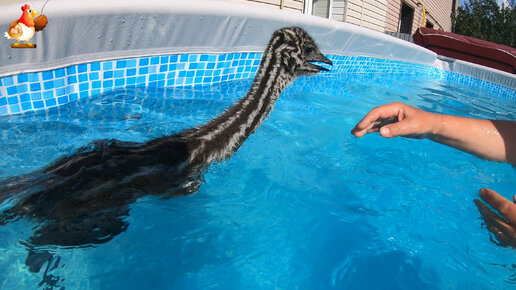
(91, 47)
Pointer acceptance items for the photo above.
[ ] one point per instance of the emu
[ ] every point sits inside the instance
(83, 198)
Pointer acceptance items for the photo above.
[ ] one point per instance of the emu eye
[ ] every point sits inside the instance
(29, 11)
(308, 50)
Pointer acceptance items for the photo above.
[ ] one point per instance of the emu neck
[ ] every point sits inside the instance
(221, 137)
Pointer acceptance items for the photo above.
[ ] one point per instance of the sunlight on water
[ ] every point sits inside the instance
(302, 204)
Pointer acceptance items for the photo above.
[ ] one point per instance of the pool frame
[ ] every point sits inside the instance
(153, 44)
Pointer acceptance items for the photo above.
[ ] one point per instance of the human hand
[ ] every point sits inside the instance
(397, 119)
(502, 225)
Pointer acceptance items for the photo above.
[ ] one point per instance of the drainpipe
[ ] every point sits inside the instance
(423, 24)
(281, 4)
(454, 13)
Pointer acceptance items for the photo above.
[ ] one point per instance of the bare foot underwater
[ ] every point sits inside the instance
(83, 199)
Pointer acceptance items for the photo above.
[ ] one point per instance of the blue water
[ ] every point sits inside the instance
(302, 205)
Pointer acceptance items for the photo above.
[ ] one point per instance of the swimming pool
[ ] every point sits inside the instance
(302, 204)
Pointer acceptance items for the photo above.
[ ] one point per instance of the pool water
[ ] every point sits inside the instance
(303, 204)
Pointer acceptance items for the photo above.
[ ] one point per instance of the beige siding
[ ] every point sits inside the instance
(338, 10)
(381, 15)
(367, 13)
(438, 13)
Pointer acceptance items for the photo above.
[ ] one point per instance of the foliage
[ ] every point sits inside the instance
(486, 20)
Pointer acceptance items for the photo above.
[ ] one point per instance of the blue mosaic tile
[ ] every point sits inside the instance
(35, 87)
(25, 98)
(12, 90)
(48, 85)
(95, 92)
(108, 74)
(108, 83)
(71, 70)
(59, 83)
(15, 108)
(131, 63)
(141, 80)
(72, 79)
(119, 74)
(96, 85)
(38, 105)
(120, 64)
(119, 82)
(94, 66)
(84, 87)
(48, 95)
(48, 75)
(23, 78)
(144, 61)
(26, 106)
(83, 78)
(59, 73)
(50, 103)
(62, 100)
(107, 65)
(82, 68)
(131, 72)
(33, 91)
(73, 97)
(60, 92)
(35, 96)
(143, 70)
(94, 76)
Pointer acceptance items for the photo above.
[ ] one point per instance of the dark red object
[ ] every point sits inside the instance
(467, 48)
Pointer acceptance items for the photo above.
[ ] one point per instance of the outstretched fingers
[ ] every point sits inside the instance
(505, 207)
(503, 232)
(377, 118)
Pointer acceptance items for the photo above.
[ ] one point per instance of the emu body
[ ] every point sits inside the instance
(83, 198)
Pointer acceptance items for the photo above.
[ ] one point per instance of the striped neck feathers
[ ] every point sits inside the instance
(221, 137)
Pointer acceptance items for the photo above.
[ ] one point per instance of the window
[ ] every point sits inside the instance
(333, 9)
(321, 8)
(406, 18)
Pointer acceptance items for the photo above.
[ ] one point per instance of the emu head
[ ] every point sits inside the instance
(296, 51)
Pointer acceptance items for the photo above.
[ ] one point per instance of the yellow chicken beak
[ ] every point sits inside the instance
(34, 13)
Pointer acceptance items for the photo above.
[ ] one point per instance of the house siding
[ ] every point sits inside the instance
(380, 15)
(438, 13)
(367, 13)
(338, 11)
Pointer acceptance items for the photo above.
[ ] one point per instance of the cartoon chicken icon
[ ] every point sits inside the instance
(24, 28)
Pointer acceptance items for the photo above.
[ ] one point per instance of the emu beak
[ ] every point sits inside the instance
(34, 13)
(316, 56)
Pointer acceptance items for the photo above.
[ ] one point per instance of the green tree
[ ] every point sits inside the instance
(486, 20)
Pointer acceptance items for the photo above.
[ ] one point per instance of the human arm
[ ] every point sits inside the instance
(490, 139)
